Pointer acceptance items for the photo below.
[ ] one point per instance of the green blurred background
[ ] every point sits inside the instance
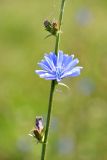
(79, 121)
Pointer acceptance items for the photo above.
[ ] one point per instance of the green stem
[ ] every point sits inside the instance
(53, 83)
(60, 23)
(48, 120)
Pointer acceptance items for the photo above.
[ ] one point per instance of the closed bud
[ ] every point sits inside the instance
(51, 27)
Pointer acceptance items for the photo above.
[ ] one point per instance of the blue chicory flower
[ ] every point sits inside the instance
(57, 67)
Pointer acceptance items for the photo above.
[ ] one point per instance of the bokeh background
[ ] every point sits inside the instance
(79, 118)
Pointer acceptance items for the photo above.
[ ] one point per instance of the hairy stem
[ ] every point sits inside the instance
(53, 83)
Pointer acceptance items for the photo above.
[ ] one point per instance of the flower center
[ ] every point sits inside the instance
(58, 73)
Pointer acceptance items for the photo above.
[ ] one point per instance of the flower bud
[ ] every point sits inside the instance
(38, 131)
(51, 27)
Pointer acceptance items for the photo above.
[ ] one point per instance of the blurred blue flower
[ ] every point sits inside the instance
(58, 67)
(84, 16)
(86, 86)
(65, 146)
